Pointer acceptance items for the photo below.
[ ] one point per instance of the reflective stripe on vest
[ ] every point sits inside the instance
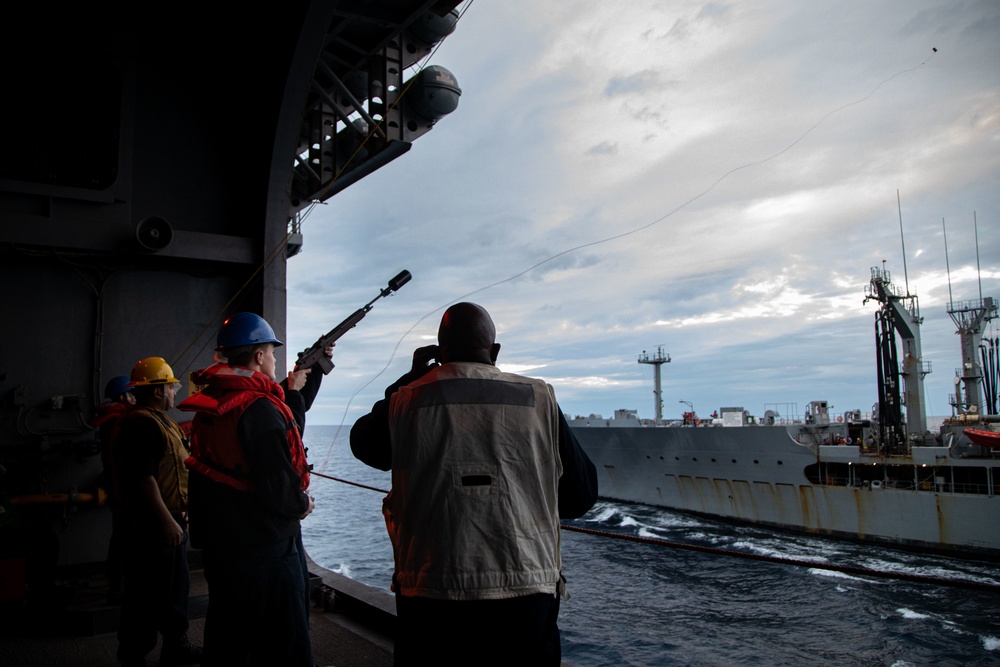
(473, 511)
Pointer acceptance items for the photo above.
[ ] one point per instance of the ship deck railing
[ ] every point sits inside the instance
(924, 485)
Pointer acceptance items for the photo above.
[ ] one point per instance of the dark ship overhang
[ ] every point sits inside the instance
(152, 166)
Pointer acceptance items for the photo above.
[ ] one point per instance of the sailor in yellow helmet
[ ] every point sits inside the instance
(149, 454)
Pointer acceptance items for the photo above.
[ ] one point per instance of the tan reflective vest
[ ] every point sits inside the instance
(171, 475)
(473, 512)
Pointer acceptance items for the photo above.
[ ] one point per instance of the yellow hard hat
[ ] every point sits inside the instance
(152, 370)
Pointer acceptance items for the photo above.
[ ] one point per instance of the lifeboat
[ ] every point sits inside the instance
(983, 438)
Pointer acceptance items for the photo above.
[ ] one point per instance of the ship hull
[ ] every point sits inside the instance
(760, 475)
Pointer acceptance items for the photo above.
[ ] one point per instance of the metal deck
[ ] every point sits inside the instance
(351, 625)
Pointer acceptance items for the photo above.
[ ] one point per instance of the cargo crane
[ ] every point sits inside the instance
(900, 379)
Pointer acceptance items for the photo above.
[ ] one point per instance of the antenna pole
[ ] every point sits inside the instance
(947, 266)
(902, 241)
(979, 271)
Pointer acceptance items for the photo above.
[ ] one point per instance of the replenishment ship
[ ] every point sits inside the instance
(878, 477)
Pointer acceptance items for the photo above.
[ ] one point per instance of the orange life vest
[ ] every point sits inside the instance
(216, 451)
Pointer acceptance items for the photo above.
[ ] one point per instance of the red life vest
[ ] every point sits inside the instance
(106, 412)
(216, 451)
(106, 418)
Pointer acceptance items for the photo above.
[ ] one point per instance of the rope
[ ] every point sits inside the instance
(345, 481)
(635, 230)
(846, 569)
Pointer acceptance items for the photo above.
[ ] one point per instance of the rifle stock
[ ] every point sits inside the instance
(315, 355)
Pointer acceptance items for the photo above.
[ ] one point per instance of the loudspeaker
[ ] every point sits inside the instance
(153, 233)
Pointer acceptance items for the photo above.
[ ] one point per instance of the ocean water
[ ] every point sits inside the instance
(641, 604)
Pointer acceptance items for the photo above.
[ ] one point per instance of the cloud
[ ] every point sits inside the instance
(632, 84)
(603, 148)
(719, 179)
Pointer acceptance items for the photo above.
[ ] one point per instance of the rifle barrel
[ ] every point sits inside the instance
(312, 354)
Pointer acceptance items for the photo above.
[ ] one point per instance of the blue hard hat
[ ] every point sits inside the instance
(117, 386)
(245, 329)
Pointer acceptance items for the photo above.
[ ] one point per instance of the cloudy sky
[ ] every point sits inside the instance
(714, 178)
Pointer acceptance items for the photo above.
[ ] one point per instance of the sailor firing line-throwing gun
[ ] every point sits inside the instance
(316, 354)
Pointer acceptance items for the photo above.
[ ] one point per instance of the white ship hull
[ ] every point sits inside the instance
(760, 475)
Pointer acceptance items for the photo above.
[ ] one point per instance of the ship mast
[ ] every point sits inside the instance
(658, 360)
(970, 317)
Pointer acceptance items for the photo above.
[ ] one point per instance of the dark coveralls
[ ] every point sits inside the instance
(106, 419)
(254, 561)
(157, 578)
(466, 632)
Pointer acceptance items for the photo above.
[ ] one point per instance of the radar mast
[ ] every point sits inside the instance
(657, 360)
